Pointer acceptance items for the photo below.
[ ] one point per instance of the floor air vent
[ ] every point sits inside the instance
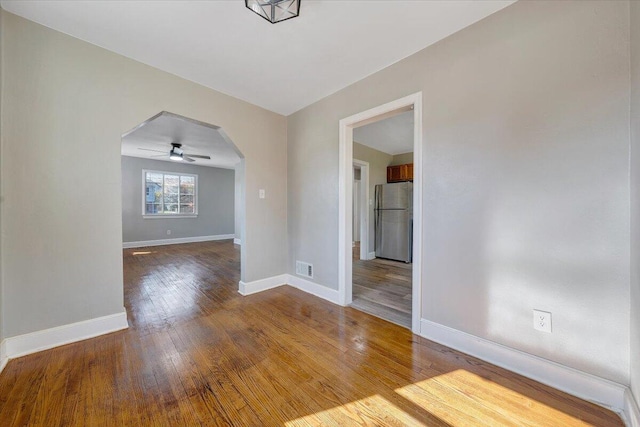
(304, 269)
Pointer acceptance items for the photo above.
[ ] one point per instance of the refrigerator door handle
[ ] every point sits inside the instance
(410, 240)
(375, 229)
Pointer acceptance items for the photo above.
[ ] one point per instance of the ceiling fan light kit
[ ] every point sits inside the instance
(177, 153)
(274, 11)
(175, 156)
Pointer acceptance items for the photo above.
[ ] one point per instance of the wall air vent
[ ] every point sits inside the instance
(304, 269)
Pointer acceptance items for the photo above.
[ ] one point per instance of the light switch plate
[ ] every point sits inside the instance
(261, 193)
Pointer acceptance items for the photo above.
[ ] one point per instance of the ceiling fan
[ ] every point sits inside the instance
(176, 153)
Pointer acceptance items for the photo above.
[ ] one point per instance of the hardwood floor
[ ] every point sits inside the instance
(382, 288)
(197, 353)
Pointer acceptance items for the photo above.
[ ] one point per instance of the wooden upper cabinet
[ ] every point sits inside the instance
(396, 173)
(410, 171)
(400, 173)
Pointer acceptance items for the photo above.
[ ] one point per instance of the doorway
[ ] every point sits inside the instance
(182, 183)
(361, 232)
(346, 174)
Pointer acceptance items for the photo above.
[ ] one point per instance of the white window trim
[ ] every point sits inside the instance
(164, 215)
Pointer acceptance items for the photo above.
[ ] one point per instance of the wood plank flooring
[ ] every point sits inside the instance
(382, 288)
(199, 354)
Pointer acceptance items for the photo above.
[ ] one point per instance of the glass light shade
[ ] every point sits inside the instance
(175, 156)
(274, 10)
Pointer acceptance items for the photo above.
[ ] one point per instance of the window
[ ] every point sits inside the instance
(169, 194)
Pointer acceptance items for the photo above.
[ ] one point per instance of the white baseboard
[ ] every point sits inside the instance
(248, 288)
(176, 241)
(372, 255)
(237, 241)
(22, 345)
(331, 295)
(577, 383)
(631, 412)
(3, 355)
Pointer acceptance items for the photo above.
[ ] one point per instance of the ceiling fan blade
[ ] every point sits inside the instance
(187, 158)
(159, 155)
(149, 149)
(198, 156)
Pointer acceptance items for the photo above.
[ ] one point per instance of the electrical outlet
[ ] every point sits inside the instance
(261, 193)
(542, 321)
(168, 232)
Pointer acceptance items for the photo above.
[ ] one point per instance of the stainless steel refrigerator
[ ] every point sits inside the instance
(394, 221)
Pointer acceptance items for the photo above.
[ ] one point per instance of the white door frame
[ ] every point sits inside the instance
(345, 194)
(364, 208)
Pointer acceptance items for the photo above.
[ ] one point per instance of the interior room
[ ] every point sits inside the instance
(525, 280)
(200, 205)
(382, 272)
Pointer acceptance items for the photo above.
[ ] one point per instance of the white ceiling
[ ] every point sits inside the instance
(282, 67)
(392, 136)
(160, 131)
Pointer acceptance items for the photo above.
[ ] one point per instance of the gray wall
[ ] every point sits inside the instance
(635, 200)
(526, 179)
(215, 202)
(62, 216)
(378, 162)
(402, 159)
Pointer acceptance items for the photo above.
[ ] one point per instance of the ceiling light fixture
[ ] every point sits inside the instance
(175, 156)
(274, 10)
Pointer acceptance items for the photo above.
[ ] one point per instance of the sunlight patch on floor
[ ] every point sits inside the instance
(372, 410)
(482, 399)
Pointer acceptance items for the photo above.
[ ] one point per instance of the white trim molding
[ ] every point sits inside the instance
(237, 241)
(167, 216)
(372, 255)
(33, 342)
(176, 241)
(630, 411)
(598, 390)
(345, 197)
(304, 285)
(3, 355)
(321, 291)
(248, 288)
